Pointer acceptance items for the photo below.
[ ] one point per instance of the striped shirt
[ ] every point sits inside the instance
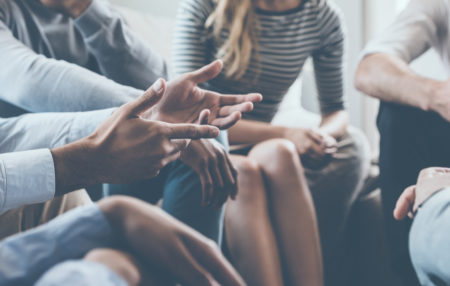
(285, 41)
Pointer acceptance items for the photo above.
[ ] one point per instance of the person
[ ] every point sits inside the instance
(414, 113)
(124, 147)
(109, 245)
(264, 45)
(78, 55)
(427, 203)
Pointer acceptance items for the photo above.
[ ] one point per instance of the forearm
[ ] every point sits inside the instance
(39, 84)
(26, 132)
(391, 79)
(76, 166)
(335, 124)
(253, 132)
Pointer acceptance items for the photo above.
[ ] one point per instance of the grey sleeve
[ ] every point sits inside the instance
(48, 130)
(416, 29)
(190, 43)
(121, 54)
(328, 60)
(27, 256)
(39, 84)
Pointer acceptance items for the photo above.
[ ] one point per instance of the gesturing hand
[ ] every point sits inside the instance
(73, 8)
(184, 100)
(430, 179)
(161, 241)
(312, 145)
(217, 175)
(126, 147)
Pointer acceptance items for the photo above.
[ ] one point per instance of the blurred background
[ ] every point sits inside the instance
(365, 19)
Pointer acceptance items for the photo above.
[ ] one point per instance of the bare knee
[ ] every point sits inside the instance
(276, 154)
(119, 262)
(250, 180)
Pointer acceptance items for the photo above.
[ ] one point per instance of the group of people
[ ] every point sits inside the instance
(240, 201)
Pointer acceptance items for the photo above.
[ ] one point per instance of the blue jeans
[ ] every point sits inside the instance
(429, 240)
(180, 188)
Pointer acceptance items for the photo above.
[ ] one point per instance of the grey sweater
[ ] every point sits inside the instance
(50, 62)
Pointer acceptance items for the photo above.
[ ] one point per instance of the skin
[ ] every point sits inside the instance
(405, 203)
(390, 79)
(153, 242)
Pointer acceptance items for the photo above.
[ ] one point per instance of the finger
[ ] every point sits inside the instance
(203, 118)
(316, 137)
(205, 194)
(213, 260)
(209, 190)
(179, 145)
(229, 179)
(207, 72)
(316, 150)
(241, 107)
(226, 122)
(235, 176)
(405, 203)
(231, 99)
(217, 182)
(150, 97)
(191, 131)
(330, 150)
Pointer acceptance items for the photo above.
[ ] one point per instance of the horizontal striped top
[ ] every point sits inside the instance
(285, 41)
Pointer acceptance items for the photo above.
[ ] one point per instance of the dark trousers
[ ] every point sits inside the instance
(411, 140)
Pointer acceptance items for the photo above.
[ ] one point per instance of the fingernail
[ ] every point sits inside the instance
(158, 86)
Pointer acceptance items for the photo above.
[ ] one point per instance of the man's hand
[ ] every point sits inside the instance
(313, 146)
(440, 100)
(125, 147)
(162, 242)
(184, 101)
(72, 8)
(217, 175)
(430, 180)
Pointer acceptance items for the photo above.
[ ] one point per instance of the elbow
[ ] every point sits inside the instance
(363, 76)
(361, 81)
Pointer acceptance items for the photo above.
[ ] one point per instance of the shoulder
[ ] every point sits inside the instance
(200, 9)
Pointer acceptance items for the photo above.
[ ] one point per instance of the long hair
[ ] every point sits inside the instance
(238, 17)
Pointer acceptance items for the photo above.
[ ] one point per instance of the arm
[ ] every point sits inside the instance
(25, 257)
(329, 71)
(48, 130)
(39, 84)
(384, 72)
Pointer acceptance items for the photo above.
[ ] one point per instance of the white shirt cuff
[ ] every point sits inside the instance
(26, 178)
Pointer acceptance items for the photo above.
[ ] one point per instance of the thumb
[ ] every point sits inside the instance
(207, 72)
(150, 97)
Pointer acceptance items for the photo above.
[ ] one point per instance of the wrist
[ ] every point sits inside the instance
(73, 166)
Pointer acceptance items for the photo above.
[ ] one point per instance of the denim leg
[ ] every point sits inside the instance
(183, 199)
(181, 190)
(429, 241)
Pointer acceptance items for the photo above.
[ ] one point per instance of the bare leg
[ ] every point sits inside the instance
(249, 232)
(292, 211)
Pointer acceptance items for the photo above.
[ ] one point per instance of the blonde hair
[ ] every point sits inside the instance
(238, 17)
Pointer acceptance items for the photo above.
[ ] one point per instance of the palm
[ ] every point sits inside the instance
(184, 101)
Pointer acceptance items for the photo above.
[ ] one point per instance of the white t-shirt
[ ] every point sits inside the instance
(424, 24)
